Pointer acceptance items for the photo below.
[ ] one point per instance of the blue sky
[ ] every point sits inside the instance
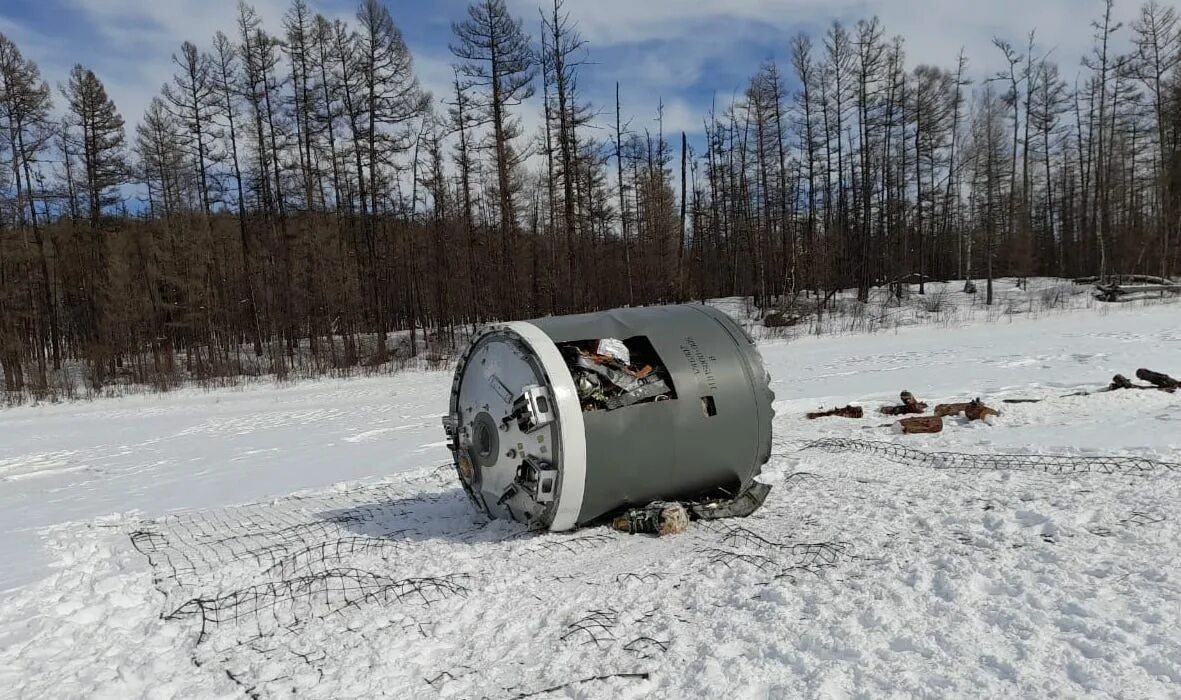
(684, 51)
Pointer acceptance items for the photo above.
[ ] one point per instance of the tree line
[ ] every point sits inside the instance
(292, 198)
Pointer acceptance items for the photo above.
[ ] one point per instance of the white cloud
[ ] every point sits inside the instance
(133, 42)
(151, 33)
(936, 27)
(934, 30)
(655, 48)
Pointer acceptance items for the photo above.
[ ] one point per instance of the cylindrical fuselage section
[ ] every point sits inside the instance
(681, 412)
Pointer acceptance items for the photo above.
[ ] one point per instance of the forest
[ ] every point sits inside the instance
(294, 201)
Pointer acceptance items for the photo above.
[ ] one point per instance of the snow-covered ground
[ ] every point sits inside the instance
(360, 570)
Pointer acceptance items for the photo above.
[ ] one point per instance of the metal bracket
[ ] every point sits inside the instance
(539, 479)
(533, 408)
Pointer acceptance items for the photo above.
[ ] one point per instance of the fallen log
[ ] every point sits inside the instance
(910, 406)
(846, 412)
(921, 425)
(1126, 279)
(1117, 292)
(1024, 400)
(1159, 380)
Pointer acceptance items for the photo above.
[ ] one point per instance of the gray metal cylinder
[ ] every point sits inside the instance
(547, 430)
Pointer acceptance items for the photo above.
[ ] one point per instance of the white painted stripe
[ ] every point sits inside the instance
(570, 425)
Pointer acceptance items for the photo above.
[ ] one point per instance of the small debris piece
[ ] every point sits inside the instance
(615, 349)
(922, 425)
(910, 406)
(1023, 400)
(978, 411)
(912, 403)
(673, 520)
(1160, 381)
(1119, 381)
(640, 393)
(659, 518)
(743, 506)
(846, 412)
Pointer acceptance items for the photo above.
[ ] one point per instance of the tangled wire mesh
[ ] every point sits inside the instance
(290, 602)
(1047, 464)
(593, 629)
(279, 565)
(739, 545)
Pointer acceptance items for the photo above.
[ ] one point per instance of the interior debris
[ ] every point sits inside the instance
(611, 374)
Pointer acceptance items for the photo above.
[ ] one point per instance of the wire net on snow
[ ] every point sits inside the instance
(186, 548)
(268, 585)
(1048, 464)
(278, 565)
(595, 628)
(737, 544)
(290, 602)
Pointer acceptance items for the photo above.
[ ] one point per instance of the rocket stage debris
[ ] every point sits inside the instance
(564, 421)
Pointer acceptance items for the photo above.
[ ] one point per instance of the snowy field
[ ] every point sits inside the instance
(129, 569)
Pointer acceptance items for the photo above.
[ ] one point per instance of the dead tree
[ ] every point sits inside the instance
(498, 66)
